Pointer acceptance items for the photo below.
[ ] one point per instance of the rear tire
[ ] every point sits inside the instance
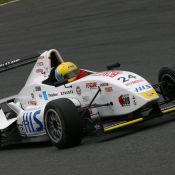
(63, 123)
(10, 136)
(167, 76)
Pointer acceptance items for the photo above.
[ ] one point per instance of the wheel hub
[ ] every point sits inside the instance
(54, 125)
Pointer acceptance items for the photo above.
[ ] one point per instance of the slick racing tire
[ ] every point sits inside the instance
(167, 78)
(10, 136)
(63, 123)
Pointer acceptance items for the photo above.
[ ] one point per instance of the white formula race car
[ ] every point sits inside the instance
(100, 102)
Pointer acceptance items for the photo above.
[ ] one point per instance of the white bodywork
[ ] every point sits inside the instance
(125, 91)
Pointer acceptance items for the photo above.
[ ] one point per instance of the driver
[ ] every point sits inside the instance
(68, 71)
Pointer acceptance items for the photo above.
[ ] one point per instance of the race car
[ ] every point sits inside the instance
(65, 112)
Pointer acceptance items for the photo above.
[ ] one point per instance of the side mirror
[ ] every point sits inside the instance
(112, 66)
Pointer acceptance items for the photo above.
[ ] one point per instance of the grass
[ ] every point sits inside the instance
(4, 1)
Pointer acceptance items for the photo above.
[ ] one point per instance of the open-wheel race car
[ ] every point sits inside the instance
(65, 112)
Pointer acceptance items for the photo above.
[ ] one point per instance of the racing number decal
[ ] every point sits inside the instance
(31, 123)
(125, 79)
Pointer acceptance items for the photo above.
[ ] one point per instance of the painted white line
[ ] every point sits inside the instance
(9, 2)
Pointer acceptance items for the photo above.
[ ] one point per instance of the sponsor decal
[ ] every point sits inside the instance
(32, 103)
(53, 95)
(150, 94)
(78, 90)
(133, 82)
(124, 100)
(44, 94)
(41, 58)
(32, 95)
(91, 85)
(85, 99)
(104, 84)
(71, 66)
(9, 63)
(134, 100)
(67, 92)
(39, 64)
(143, 88)
(37, 88)
(110, 74)
(31, 123)
(124, 79)
(108, 89)
(40, 71)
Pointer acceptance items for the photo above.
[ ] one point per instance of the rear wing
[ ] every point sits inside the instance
(18, 63)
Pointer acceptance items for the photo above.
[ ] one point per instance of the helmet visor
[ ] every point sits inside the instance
(71, 74)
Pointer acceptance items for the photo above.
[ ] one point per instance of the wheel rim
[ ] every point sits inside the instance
(169, 86)
(53, 125)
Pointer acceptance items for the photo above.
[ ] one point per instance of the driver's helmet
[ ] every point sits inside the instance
(66, 70)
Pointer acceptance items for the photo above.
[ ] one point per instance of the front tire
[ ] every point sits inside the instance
(167, 78)
(63, 123)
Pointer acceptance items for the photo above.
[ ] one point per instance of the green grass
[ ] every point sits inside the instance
(4, 1)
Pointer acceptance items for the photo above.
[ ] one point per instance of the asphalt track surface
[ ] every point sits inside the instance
(138, 34)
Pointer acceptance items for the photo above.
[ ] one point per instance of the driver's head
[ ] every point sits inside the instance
(66, 70)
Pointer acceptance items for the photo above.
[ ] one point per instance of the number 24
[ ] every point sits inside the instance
(125, 79)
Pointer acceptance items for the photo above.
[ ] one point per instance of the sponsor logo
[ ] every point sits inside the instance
(31, 122)
(40, 64)
(124, 100)
(53, 95)
(71, 66)
(41, 58)
(108, 89)
(78, 90)
(91, 85)
(37, 88)
(133, 82)
(40, 71)
(9, 62)
(67, 92)
(32, 103)
(150, 94)
(44, 94)
(32, 95)
(134, 100)
(104, 84)
(143, 88)
(110, 74)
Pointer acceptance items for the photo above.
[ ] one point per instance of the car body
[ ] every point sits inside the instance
(99, 96)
